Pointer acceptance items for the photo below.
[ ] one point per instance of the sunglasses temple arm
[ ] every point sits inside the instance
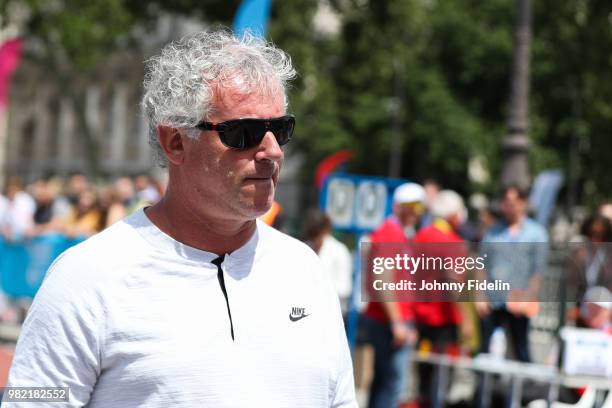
(207, 126)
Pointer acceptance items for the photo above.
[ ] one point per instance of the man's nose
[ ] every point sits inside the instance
(269, 148)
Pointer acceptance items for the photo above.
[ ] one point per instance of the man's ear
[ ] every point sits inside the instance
(171, 142)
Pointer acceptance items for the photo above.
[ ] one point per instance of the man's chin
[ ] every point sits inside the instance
(261, 210)
(257, 208)
(256, 201)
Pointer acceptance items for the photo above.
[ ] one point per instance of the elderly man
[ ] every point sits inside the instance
(193, 302)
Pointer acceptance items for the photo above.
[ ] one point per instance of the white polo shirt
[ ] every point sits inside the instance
(133, 318)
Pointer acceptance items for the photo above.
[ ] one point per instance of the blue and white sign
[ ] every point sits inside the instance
(371, 204)
(357, 203)
(339, 202)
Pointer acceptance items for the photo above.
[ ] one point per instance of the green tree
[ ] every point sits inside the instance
(454, 62)
(313, 95)
(385, 67)
(572, 92)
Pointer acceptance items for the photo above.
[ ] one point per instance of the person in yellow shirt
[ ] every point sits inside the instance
(85, 218)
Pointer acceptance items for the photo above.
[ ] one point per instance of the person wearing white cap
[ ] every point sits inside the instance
(408, 206)
(389, 323)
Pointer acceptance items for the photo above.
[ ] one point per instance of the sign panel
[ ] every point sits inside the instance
(339, 202)
(371, 204)
(357, 203)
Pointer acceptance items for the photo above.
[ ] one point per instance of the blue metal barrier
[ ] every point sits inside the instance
(23, 263)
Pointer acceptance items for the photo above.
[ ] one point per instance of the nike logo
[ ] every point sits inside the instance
(297, 313)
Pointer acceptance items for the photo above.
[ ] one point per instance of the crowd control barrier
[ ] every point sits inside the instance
(23, 263)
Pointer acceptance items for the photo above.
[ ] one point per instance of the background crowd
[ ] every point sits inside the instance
(74, 206)
(492, 324)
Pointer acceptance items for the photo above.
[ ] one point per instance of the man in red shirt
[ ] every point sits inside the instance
(437, 321)
(388, 322)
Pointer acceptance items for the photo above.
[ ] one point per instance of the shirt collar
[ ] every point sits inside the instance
(165, 243)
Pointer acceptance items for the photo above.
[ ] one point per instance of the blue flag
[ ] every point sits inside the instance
(252, 15)
(544, 194)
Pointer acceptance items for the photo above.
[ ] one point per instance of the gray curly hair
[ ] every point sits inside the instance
(178, 84)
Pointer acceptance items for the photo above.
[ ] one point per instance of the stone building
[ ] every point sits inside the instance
(43, 135)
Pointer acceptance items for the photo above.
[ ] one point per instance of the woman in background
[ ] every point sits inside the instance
(84, 219)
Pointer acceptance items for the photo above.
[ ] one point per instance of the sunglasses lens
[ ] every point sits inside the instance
(247, 133)
(235, 135)
(254, 132)
(283, 129)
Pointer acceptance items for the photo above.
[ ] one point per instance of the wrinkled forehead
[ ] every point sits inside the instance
(233, 90)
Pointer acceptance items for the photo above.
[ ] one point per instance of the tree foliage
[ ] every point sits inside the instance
(386, 66)
(572, 90)
(449, 64)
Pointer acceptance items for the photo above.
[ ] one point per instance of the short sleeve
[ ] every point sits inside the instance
(342, 391)
(59, 342)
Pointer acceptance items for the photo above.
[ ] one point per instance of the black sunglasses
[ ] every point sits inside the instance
(246, 133)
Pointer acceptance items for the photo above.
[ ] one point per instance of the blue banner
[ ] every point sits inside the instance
(24, 263)
(544, 193)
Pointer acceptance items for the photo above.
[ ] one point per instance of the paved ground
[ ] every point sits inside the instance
(6, 357)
